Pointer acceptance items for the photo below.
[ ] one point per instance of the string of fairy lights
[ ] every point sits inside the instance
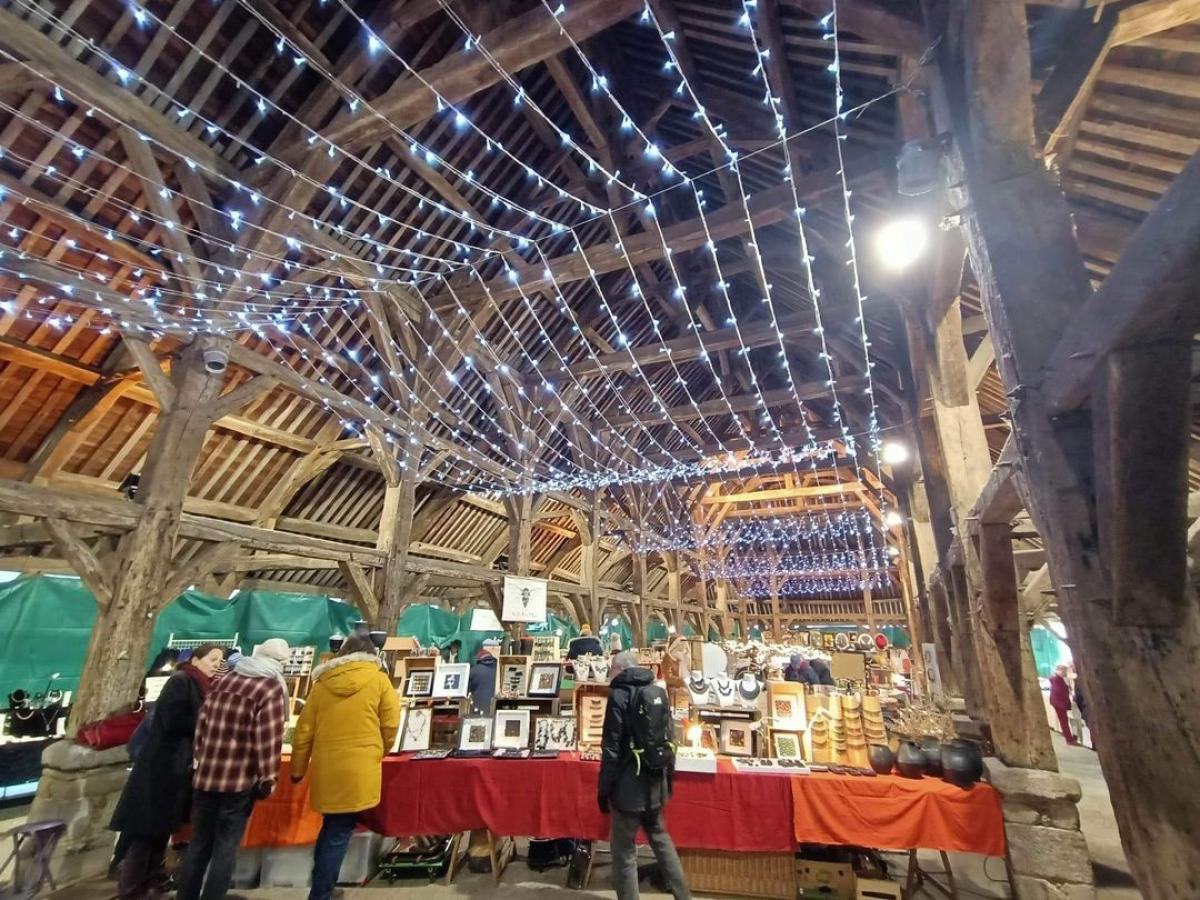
(274, 306)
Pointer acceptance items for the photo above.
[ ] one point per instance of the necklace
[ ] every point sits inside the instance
(751, 690)
(724, 686)
(698, 683)
(418, 717)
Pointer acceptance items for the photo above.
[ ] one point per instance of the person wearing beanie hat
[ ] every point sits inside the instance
(481, 683)
(587, 644)
(239, 737)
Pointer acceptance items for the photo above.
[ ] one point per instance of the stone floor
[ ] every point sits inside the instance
(976, 877)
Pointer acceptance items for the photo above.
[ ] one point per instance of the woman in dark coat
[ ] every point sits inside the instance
(158, 795)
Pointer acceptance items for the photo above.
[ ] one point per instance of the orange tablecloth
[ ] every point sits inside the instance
(730, 810)
(895, 813)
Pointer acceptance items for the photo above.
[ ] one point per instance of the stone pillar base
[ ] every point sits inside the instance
(1046, 849)
(81, 787)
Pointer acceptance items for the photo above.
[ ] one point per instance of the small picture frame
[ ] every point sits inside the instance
(475, 733)
(737, 738)
(788, 711)
(544, 680)
(511, 730)
(545, 648)
(419, 683)
(554, 733)
(450, 680)
(787, 745)
(415, 728)
(512, 679)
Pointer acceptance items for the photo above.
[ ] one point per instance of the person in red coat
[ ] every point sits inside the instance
(1060, 700)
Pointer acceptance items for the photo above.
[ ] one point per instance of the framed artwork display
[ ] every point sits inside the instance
(476, 733)
(545, 648)
(544, 679)
(787, 710)
(415, 728)
(786, 745)
(737, 738)
(450, 680)
(419, 683)
(511, 731)
(512, 678)
(841, 641)
(554, 733)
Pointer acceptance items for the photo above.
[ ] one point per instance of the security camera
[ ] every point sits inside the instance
(215, 361)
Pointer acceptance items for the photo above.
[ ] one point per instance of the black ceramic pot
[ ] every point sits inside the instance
(379, 638)
(962, 763)
(910, 761)
(932, 748)
(335, 643)
(882, 758)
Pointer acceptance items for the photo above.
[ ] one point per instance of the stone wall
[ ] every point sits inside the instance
(1046, 849)
(81, 787)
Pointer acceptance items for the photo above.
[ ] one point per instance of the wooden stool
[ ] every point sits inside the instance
(918, 876)
(44, 837)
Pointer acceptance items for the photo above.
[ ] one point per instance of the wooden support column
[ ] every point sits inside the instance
(116, 656)
(640, 610)
(962, 621)
(1020, 731)
(1140, 677)
(395, 536)
(520, 509)
(588, 525)
(943, 633)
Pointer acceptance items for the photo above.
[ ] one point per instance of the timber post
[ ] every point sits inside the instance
(115, 662)
(1140, 676)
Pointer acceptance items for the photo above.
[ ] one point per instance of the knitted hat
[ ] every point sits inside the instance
(585, 629)
(274, 648)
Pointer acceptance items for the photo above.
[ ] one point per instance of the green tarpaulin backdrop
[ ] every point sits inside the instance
(46, 622)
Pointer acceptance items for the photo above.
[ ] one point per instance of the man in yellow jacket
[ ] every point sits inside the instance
(348, 723)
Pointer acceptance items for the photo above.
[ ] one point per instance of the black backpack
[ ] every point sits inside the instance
(650, 729)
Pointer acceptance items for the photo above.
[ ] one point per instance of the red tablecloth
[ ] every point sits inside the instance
(730, 810)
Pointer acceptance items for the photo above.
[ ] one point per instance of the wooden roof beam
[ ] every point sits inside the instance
(1148, 296)
(872, 21)
(515, 45)
(124, 107)
(730, 221)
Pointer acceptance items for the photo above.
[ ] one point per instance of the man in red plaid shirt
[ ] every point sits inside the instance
(239, 736)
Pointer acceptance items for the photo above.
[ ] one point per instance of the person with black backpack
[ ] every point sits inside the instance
(637, 771)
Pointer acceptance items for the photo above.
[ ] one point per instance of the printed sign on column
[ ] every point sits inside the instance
(524, 599)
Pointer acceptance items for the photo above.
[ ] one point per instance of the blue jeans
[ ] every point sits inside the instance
(329, 853)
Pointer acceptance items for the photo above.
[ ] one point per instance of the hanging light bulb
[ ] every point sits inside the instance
(893, 519)
(893, 453)
(901, 243)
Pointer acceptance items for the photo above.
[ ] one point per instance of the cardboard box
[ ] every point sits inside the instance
(826, 880)
(875, 889)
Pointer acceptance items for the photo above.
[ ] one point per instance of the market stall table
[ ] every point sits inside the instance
(729, 810)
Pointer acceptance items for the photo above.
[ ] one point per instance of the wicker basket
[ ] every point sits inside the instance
(769, 875)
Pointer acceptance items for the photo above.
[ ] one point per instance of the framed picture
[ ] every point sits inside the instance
(554, 733)
(787, 710)
(450, 680)
(786, 745)
(415, 728)
(419, 683)
(475, 734)
(511, 731)
(737, 738)
(544, 679)
(545, 648)
(512, 678)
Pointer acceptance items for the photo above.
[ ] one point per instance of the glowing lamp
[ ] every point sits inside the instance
(901, 243)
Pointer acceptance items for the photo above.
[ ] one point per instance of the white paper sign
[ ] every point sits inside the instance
(485, 620)
(933, 675)
(524, 599)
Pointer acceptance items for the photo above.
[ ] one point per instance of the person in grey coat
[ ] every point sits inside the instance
(634, 796)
